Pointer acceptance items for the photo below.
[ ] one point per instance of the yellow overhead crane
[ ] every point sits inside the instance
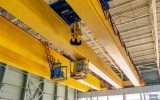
(90, 11)
(21, 50)
(40, 17)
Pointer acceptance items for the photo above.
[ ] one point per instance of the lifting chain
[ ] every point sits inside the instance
(50, 58)
(55, 67)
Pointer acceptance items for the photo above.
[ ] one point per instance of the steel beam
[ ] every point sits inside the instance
(133, 90)
(132, 11)
(141, 44)
(50, 25)
(149, 70)
(29, 54)
(99, 48)
(137, 36)
(129, 83)
(124, 4)
(155, 31)
(92, 15)
(136, 19)
(25, 84)
(135, 29)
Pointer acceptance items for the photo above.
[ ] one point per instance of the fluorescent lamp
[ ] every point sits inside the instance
(102, 75)
(87, 84)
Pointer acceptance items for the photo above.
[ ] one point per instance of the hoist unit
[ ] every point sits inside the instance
(57, 73)
(80, 69)
(75, 34)
(57, 70)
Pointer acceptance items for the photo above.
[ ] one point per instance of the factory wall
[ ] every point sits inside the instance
(19, 85)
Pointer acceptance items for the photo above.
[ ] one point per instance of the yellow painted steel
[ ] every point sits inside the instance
(94, 81)
(21, 50)
(39, 16)
(91, 13)
(129, 83)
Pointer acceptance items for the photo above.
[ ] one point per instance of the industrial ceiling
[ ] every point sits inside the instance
(135, 21)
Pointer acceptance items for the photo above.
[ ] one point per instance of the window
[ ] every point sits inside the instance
(94, 98)
(133, 96)
(152, 96)
(82, 99)
(102, 98)
(88, 98)
(115, 97)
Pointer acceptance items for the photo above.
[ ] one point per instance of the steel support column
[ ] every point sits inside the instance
(124, 97)
(141, 96)
(66, 93)
(2, 73)
(41, 88)
(55, 91)
(25, 86)
(75, 94)
(144, 96)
